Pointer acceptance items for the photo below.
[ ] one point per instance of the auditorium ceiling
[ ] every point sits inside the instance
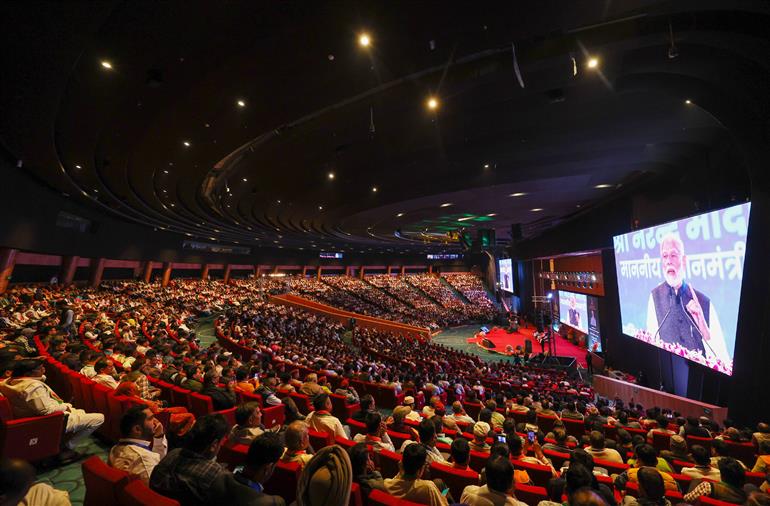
(270, 124)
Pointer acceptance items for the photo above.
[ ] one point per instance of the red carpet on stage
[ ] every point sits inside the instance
(501, 338)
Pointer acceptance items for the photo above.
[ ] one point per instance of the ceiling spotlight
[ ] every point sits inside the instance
(331, 175)
(486, 165)
(241, 103)
(536, 210)
(364, 40)
(602, 186)
(374, 189)
(688, 101)
(520, 194)
(399, 215)
(106, 64)
(165, 172)
(186, 143)
(320, 208)
(593, 63)
(78, 167)
(245, 180)
(492, 214)
(432, 103)
(446, 204)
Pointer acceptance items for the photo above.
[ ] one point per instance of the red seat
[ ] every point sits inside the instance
(703, 441)
(320, 439)
(545, 422)
(380, 498)
(180, 397)
(303, 402)
(273, 415)
(661, 440)
(755, 478)
(232, 456)
(388, 463)
(76, 388)
(229, 415)
(344, 442)
(612, 467)
(247, 397)
(200, 404)
(398, 438)
(103, 483)
(101, 405)
(284, 481)
(355, 427)
(632, 489)
(473, 409)
(389, 398)
(539, 474)
(478, 460)
(530, 494)
(118, 404)
(677, 465)
(575, 428)
(136, 493)
(683, 481)
(456, 479)
(341, 409)
(708, 501)
(165, 390)
(356, 498)
(743, 452)
(33, 438)
(557, 458)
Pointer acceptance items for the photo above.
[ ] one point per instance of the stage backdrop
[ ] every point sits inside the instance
(711, 265)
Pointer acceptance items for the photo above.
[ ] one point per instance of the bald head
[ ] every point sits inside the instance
(296, 436)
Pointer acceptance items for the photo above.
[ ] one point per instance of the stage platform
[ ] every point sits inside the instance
(501, 339)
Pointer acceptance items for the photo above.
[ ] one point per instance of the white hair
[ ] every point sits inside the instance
(673, 237)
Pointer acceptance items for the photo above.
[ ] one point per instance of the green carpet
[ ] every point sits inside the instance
(456, 338)
(70, 477)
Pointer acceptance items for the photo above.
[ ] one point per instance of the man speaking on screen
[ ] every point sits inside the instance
(678, 313)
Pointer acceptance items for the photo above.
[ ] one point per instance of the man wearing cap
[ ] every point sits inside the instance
(30, 396)
(412, 415)
(321, 418)
(480, 432)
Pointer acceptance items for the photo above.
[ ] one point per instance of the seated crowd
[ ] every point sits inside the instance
(507, 429)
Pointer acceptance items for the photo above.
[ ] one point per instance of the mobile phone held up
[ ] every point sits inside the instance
(531, 437)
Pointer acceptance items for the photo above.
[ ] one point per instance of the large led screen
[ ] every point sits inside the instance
(506, 274)
(581, 312)
(680, 283)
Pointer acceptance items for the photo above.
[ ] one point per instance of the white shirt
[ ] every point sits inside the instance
(137, 456)
(106, 380)
(88, 371)
(474, 495)
(433, 454)
(326, 423)
(44, 494)
(384, 442)
(31, 397)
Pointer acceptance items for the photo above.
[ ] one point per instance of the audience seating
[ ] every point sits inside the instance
(478, 460)
(355, 427)
(530, 494)
(388, 463)
(102, 482)
(303, 402)
(284, 481)
(341, 409)
(229, 415)
(180, 397)
(683, 481)
(273, 415)
(380, 498)
(575, 428)
(632, 489)
(33, 438)
(708, 501)
(661, 441)
(320, 439)
(557, 458)
(356, 497)
(398, 438)
(136, 493)
(200, 404)
(545, 422)
(743, 452)
(344, 442)
(232, 456)
(677, 465)
(456, 479)
(703, 441)
(539, 474)
(473, 409)
(612, 467)
(755, 478)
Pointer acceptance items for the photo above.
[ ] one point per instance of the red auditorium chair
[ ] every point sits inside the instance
(200, 404)
(76, 388)
(273, 415)
(557, 458)
(456, 479)
(575, 428)
(612, 467)
(398, 438)
(232, 456)
(103, 483)
(33, 438)
(683, 481)
(529, 494)
(284, 481)
(390, 399)
(708, 501)
(380, 498)
(244, 397)
(344, 442)
(661, 441)
(473, 409)
(478, 460)
(743, 452)
(388, 463)
(229, 415)
(136, 493)
(341, 409)
(539, 474)
(519, 417)
(545, 422)
(677, 465)
(320, 439)
(355, 427)
(180, 397)
(101, 394)
(356, 497)
(303, 402)
(632, 489)
(703, 441)
(756, 479)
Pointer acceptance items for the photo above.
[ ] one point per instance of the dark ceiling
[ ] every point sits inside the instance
(314, 102)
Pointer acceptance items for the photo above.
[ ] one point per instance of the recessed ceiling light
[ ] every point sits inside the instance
(602, 186)
(241, 103)
(320, 208)
(491, 214)
(688, 101)
(446, 204)
(186, 143)
(400, 215)
(165, 172)
(106, 64)
(432, 103)
(331, 175)
(172, 205)
(364, 40)
(96, 190)
(374, 189)
(465, 218)
(486, 165)
(593, 63)
(536, 210)
(245, 180)
(164, 191)
(520, 194)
